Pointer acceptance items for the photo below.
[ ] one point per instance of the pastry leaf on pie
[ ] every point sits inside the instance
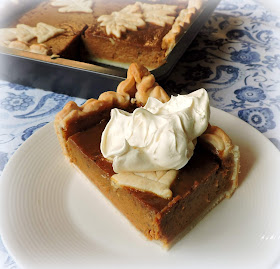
(73, 5)
(8, 34)
(25, 33)
(159, 14)
(118, 22)
(45, 31)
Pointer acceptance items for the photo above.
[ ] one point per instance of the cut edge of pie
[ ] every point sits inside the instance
(133, 92)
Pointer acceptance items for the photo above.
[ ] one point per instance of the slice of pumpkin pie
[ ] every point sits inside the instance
(156, 158)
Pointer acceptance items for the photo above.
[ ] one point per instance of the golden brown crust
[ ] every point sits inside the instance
(139, 86)
(181, 24)
(72, 118)
(221, 145)
(219, 140)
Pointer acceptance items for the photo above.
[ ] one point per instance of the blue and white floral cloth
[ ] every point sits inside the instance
(236, 57)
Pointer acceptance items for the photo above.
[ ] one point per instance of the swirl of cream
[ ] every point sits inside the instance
(158, 136)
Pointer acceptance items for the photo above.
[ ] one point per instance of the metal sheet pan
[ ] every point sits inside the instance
(81, 79)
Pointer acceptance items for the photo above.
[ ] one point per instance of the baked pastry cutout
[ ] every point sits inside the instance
(68, 6)
(18, 38)
(35, 48)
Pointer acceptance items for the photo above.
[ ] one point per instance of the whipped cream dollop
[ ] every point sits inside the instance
(158, 136)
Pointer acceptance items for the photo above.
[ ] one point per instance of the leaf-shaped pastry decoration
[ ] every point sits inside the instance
(25, 33)
(39, 49)
(35, 48)
(19, 45)
(157, 182)
(135, 8)
(8, 34)
(45, 31)
(66, 6)
(159, 14)
(119, 21)
(134, 16)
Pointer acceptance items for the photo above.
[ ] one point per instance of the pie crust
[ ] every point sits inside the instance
(209, 177)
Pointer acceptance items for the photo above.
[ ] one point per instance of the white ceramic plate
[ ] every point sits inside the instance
(51, 217)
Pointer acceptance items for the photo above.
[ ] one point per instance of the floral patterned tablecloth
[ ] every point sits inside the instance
(236, 57)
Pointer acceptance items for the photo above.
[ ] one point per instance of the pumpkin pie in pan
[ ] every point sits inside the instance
(156, 158)
(118, 32)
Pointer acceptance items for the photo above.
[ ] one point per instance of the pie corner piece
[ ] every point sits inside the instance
(210, 175)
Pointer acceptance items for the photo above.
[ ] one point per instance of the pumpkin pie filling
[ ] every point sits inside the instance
(196, 187)
(210, 175)
(143, 45)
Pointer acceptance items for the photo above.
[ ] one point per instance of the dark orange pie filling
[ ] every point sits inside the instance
(197, 186)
